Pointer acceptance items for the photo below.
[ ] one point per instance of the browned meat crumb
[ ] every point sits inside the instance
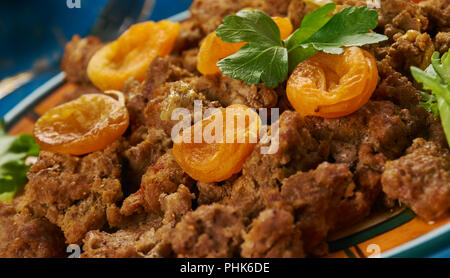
(229, 91)
(77, 54)
(190, 36)
(442, 42)
(135, 102)
(146, 235)
(160, 71)
(363, 141)
(399, 16)
(210, 231)
(144, 154)
(411, 49)
(438, 13)
(164, 177)
(397, 88)
(273, 234)
(421, 179)
(24, 236)
(188, 60)
(297, 9)
(209, 13)
(209, 193)
(317, 197)
(74, 192)
(166, 99)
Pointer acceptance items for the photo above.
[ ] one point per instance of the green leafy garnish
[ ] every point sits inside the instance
(436, 79)
(14, 150)
(264, 58)
(267, 58)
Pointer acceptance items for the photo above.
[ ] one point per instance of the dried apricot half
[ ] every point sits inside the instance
(213, 49)
(332, 86)
(131, 54)
(87, 124)
(217, 160)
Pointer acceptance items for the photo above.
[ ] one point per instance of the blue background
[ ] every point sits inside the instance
(33, 31)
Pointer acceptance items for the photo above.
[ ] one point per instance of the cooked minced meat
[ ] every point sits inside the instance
(74, 192)
(133, 199)
(421, 179)
(25, 236)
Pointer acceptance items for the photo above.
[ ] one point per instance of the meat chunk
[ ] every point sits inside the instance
(273, 234)
(438, 13)
(442, 42)
(190, 36)
(23, 236)
(210, 231)
(298, 150)
(411, 49)
(295, 150)
(360, 143)
(74, 192)
(209, 193)
(399, 16)
(210, 13)
(135, 101)
(138, 158)
(271, 7)
(146, 235)
(160, 71)
(317, 197)
(171, 96)
(137, 94)
(397, 88)
(421, 179)
(164, 177)
(227, 91)
(297, 9)
(77, 54)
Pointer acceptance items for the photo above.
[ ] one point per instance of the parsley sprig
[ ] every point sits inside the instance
(436, 78)
(268, 59)
(14, 150)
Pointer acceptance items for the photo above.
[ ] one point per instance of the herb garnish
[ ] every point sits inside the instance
(436, 79)
(14, 150)
(267, 58)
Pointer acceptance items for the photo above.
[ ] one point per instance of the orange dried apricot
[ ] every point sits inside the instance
(87, 124)
(218, 160)
(214, 49)
(332, 86)
(131, 54)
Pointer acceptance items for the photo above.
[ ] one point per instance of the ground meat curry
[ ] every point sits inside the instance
(132, 198)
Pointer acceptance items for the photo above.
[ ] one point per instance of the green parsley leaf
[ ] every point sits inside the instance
(267, 58)
(249, 26)
(430, 103)
(254, 63)
(311, 23)
(431, 81)
(14, 150)
(264, 58)
(441, 66)
(349, 27)
(436, 79)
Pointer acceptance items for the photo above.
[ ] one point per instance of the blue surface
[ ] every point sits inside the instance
(32, 31)
(444, 253)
